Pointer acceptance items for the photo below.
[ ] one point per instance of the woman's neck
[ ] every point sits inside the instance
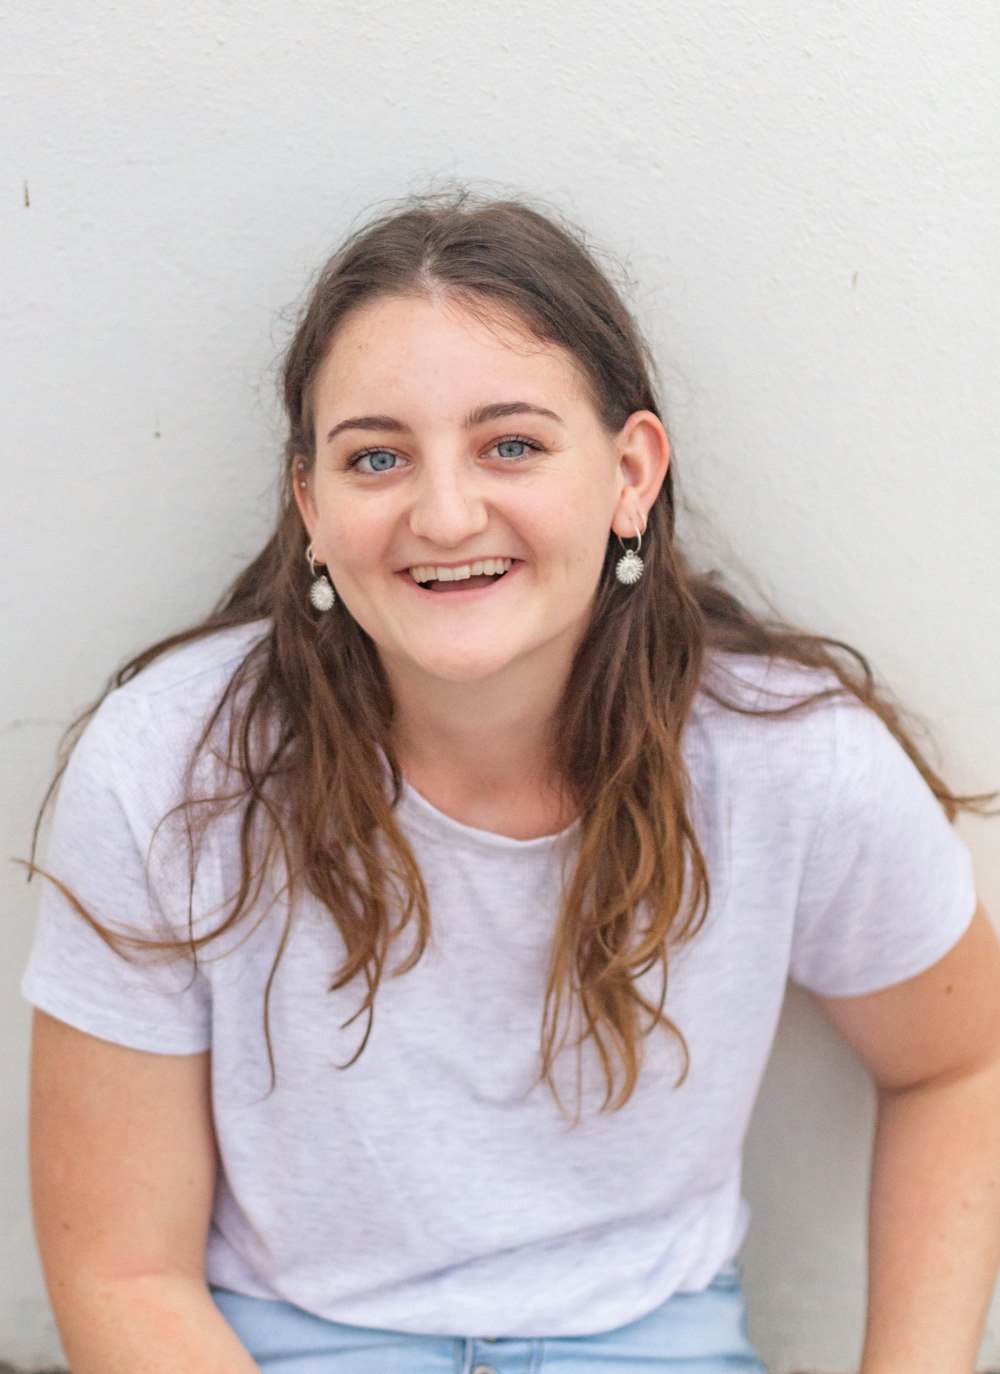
(481, 753)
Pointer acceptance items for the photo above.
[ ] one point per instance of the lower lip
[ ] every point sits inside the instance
(466, 594)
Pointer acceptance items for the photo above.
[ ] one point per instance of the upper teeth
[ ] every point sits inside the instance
(489, 566)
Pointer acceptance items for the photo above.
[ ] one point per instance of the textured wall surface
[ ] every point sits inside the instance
(807, 200)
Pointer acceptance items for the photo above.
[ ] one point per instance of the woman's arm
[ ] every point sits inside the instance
(123, 1163)
(932, 1045)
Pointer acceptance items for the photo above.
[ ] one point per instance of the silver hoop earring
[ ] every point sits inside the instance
(321, 593)
(630, 566)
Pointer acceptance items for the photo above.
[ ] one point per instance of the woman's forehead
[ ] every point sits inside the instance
(433, 345)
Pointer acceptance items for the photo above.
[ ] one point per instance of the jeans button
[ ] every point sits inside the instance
(484, 1369)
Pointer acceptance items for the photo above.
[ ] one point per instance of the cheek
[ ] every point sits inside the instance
(569, 516)
(354, 536)
(580, 556)
(586, 526)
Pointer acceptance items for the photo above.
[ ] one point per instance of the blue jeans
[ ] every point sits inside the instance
(691, 1333)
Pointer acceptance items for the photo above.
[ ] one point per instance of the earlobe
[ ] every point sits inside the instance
(643, 463)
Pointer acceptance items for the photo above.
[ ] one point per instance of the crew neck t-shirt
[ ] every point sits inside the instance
(434, 1186)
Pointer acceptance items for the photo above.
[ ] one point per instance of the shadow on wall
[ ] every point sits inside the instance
(13, 1369)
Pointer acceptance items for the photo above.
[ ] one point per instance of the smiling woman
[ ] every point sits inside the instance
(454, 487)
(358, 886)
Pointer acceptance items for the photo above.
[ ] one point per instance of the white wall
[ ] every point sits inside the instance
(808, 198)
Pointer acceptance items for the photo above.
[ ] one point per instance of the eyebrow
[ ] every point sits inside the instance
(498, 410)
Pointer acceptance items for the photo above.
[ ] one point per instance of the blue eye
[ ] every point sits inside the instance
(514, 448)
(375, 460)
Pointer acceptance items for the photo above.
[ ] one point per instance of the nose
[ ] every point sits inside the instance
(447, 505)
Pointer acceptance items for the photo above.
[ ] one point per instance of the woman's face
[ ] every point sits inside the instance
(443, 445)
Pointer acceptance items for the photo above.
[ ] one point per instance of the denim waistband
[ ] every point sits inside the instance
(690, 1333)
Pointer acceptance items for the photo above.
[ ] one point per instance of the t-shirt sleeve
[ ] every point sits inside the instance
(98, 851)
(887, 887)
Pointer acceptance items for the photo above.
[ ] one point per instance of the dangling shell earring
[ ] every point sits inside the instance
(321, 593)
(630, 566)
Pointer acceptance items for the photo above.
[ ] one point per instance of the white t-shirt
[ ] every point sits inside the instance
(430, 1187)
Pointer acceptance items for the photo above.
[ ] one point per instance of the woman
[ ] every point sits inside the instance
(355, 1042)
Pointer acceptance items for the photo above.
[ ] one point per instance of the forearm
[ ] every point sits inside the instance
(934, 1226)
(154, 1324)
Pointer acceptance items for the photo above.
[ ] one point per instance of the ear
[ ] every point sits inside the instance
(643, 459)
(302, 491)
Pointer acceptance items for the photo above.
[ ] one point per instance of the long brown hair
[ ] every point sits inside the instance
(308, 714)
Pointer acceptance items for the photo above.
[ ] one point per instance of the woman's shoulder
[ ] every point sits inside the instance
(775, 727)
(796, 734)
(762, 683)
(144, 733)
(195, 673)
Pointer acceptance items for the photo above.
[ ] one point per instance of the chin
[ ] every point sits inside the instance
(456, 657)
(464, 668)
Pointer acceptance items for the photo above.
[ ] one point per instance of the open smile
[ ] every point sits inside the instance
(462, 578)
(460, 572)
